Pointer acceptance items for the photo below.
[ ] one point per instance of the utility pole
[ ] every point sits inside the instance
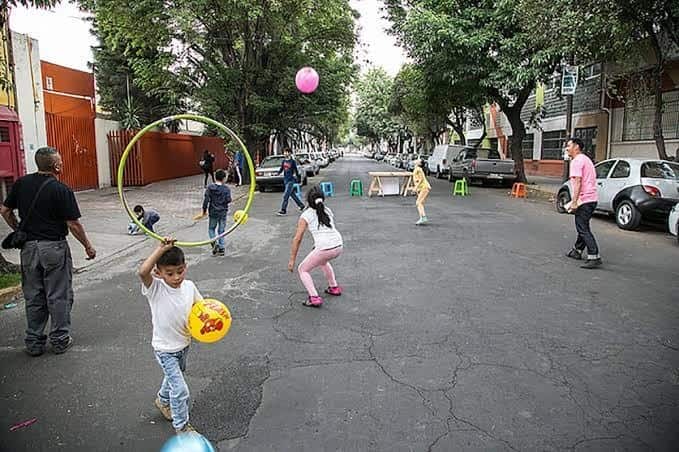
(569, 82)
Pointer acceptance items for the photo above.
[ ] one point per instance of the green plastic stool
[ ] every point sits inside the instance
(356, 188)
(461, 187)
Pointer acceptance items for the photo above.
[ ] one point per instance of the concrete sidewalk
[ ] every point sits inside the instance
(543, 186)
(105, 220)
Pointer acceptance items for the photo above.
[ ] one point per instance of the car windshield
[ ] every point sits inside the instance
(302, 156)
(660, 170)
(272, 162)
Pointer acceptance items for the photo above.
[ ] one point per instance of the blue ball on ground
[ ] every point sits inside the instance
(187, 442)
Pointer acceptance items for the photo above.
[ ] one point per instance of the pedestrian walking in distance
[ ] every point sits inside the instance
(216, 204)
(584, 200)
(290, 178)
(207, 163)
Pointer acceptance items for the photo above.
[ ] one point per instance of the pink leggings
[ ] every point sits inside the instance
(318, 258)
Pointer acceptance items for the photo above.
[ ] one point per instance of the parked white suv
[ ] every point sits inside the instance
(632, 189)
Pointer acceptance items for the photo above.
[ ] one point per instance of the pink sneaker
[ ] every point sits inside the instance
(315, 302)
(336, 291)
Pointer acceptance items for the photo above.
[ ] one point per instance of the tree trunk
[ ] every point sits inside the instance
(657, 91)
(8, 267)
(518, 133)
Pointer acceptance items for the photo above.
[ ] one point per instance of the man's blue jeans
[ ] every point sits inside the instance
(218, 223)
(173, 390)
(290, 193)
(153, 219)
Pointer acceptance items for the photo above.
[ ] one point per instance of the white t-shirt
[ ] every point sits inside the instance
(170, 310)
(325, 237)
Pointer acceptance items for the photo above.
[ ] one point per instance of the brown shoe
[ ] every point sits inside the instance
(164, 409)
(187, 428)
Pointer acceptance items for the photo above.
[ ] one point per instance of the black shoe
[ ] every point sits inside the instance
(281, 213)
(36, 351)
(62, 348)
(574, 254)
(215, 248)
(220, 252)
(592, 263)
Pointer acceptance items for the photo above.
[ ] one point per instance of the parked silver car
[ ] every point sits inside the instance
(309, 163)
(266, 174)
(632, 190)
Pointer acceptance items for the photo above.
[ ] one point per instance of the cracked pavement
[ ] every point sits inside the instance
(471, 333)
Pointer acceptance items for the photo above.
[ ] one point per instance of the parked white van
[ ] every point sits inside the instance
(441, 157)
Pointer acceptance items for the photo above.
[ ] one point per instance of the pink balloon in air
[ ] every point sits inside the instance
(307, 80)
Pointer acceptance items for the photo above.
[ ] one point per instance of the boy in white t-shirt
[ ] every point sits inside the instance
(171, 298)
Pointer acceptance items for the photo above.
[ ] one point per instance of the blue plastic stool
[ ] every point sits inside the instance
(328, 189)
(297, 188)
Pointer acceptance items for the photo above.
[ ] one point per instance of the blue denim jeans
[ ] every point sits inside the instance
(153, 219)
(173, 390)
(218, 223)
(290, 193)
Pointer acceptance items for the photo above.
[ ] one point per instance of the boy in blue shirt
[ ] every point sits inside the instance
(290, 177)
(216, 203)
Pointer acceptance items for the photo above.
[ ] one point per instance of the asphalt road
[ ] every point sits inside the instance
(470, 333)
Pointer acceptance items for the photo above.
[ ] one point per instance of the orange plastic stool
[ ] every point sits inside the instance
(519, 190)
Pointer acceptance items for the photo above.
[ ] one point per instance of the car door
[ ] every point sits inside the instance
(603, 169)
(456, 164)
(618, 179)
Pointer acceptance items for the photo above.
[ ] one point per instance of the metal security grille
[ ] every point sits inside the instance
(638, 119)
(553, 144)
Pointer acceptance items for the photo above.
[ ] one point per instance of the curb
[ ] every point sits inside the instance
(9, 292)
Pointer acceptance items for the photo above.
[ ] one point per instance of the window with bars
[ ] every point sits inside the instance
(639, 115)
(553, 144)
(4, 135)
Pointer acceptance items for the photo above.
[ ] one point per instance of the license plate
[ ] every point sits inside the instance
(494, 176)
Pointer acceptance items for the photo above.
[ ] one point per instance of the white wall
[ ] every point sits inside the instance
(31, 106)
(101, 128)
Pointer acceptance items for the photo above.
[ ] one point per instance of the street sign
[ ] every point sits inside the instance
(569, 80)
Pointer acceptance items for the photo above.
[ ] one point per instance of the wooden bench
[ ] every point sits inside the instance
(389, 183)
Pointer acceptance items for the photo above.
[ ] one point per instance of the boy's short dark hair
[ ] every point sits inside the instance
(138, 208)
(220, 175)
(173, 256)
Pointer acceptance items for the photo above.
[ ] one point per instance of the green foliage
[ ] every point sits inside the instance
(232, 60)
(9, 280)
(373, 119)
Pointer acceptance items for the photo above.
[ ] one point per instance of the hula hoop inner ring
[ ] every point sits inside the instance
(204, 120)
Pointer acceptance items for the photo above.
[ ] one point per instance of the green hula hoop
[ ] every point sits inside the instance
(204, 120)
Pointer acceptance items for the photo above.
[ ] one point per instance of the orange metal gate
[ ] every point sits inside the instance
(75, 140)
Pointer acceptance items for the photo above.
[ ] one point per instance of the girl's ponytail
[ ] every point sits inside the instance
(315, 198)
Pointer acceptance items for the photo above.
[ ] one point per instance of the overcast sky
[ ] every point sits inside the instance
(64, 36)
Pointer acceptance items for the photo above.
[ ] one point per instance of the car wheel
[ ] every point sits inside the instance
(562, 199)
(627, 216)
(438, 173)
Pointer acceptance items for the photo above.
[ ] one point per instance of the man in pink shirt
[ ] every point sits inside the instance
(584, 201)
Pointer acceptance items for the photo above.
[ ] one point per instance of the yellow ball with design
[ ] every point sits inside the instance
(209, 320)
(240, 217)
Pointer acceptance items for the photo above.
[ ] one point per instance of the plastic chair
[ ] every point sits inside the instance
(298, 190)
(356, 188)
(328, 188)
(518, 190)
(461, 187)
